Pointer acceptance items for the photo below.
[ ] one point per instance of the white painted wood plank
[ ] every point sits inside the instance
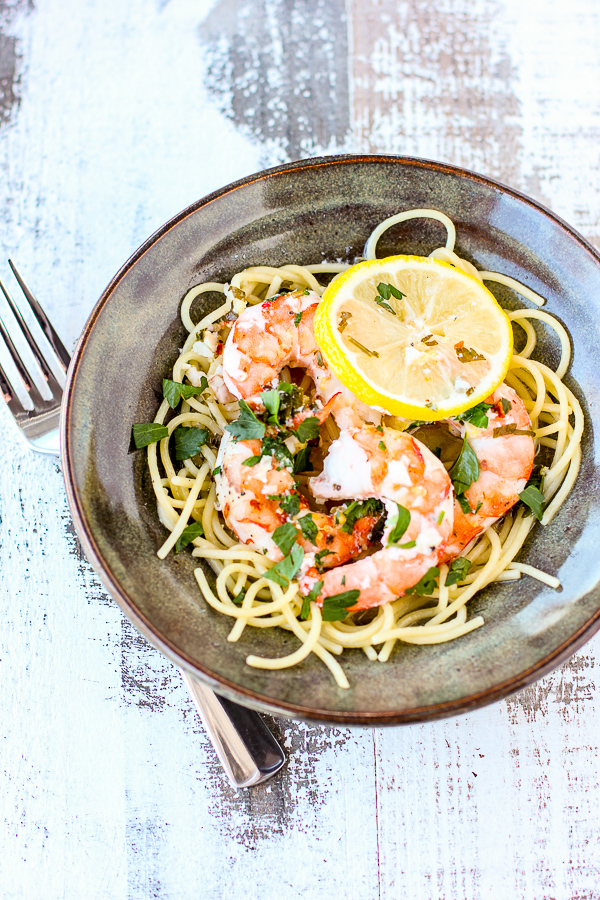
(109, 788)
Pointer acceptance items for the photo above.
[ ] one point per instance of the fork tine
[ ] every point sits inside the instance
(26, 333)
(43, 320)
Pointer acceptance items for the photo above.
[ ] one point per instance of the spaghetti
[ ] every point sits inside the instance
(186, 492)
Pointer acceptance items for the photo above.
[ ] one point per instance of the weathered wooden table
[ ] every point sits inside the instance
(114, 116)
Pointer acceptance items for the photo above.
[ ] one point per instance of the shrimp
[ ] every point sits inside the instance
(391, 465)
(277, 333)
(505, 464)
(257, 499)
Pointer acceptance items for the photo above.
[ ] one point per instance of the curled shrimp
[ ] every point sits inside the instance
(277, 333)
(412, 483)
(505, 450)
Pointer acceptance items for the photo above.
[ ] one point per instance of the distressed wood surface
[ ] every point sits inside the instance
(113, 116)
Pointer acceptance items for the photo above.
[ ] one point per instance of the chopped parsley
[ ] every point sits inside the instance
(532, 495)
(503, 430)
(287, 569)
(335, 608)
(382, 446)
(188, 441)
(247, 426)
(458, 571)
(174, 391)
(285, 537)
(217, 471)
(302, 461)
(505, 404)
(308, 429)
(310, 597)
(190, 533)
(252, 461)
(146, 433)
(308, 528)
(399, 523)
(239, 598)
(467, 354)
(290, 504)
(358, 509)
(298, 318)
(464, 471)
(320, 556)
(427, 584)
(477, 415)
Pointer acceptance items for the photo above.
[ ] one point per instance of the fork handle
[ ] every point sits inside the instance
(246, 748)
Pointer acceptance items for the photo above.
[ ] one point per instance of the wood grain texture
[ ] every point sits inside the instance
(114, 117)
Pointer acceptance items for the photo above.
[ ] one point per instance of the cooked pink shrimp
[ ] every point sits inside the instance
(251, 498)
(505, 464)
(278, 333)
(394, 467)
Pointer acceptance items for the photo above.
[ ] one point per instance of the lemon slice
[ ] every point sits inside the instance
(414, 336)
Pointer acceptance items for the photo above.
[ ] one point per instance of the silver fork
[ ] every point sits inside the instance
(246, 748)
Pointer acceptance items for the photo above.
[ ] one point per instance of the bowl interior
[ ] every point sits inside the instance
(308, 213)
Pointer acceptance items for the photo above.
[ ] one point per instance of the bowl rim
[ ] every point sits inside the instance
(219, 683)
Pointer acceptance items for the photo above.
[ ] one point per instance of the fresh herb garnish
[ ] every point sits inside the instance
(308, 528)
(190, 533)
(146, 433)
(271, 401)
(302, 461)
(310, 597)
(188, 441)
(441, 517)
(465, 470)
(246, 427)
(335, 608)
(458, 571)
(285, 537)
(399, 523)
(532, 496)
(503, 430)
(429, 341)
(427, 584)
(290, 504)
(358, 509)
(320, 556)
(382, 446)
(505, 404)
(239, 598)
(477, 415)
(319, 359)
(364, 349)
(408, 546)
(379, 428)
(283, 571)
(252, 461)
(467, 354)
(308, 429)
(388, 290)
(464, 504)
(174, 391)
(343, 320)
(278, 450)
(217, 471)
(298, 318)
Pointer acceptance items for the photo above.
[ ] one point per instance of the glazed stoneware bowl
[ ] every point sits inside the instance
(308, 212)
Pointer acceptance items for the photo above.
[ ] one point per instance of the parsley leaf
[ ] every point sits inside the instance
(465, 470)
(302, 461)
(297, 319)
(188, 441)
(311, 596)
(148, 433)
(506, 405)
(400, 523)
(335, 608)
(534, 499)
(285, 537)
(476, 415)
(174, 391)
(252, 461)
(308, 528)
(388, 290)
(427, 583)
(320, 556)
(290, 504)
(239, 598)
(188, 535)
(283, 571)
(271, 401)
(278, 450)
(358, 509)
(458, 571)
(217, 471)
(308, 429)
(246, 427)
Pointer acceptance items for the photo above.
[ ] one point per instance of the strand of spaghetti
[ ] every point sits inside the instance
(516, 286)
(229, 609)
(191, 296)
(530, 335)
(247, 604)
(550, 580)
(426, 637)
(566, 486)
(373, 239)
(336, 268)
(478, 583)
(519, 315)
(185, 513)
(309, 642)
(444, 255)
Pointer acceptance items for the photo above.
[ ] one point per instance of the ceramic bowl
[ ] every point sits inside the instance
(307, 212)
